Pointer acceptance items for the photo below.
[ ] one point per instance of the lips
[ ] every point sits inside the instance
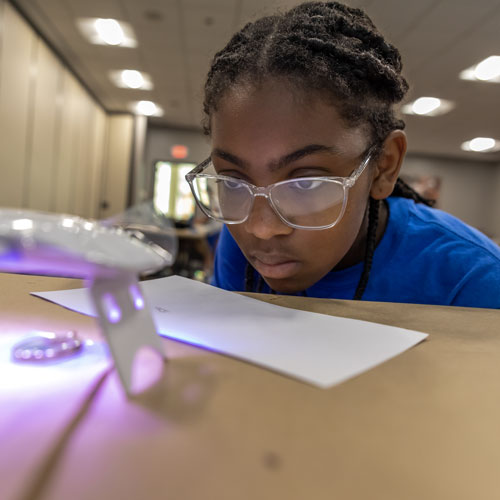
(274, 266)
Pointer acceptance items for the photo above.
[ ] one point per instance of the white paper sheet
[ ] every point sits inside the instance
(316, 348)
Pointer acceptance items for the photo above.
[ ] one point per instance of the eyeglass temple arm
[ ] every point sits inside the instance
(190, 177)
(196, 170)
(354, 176)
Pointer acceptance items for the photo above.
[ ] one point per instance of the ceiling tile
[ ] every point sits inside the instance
(178, 38)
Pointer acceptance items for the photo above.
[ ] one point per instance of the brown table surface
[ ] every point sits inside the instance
(424, 425)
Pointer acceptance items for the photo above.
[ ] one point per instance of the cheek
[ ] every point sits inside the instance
(353, 218)
(325, 249)
(332, 245)
(357, 202)
(235, 230)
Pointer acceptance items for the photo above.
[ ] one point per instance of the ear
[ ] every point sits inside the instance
(388, 165)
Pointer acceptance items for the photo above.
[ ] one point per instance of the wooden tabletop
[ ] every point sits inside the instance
(424, 425)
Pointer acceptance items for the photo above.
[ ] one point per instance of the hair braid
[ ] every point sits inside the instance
(403, 190)
(249, 278)
(250, 285)
(371, 241)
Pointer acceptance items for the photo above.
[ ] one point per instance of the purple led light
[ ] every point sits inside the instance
(113, 311)
(114, 315)
(46, 346)
(136, 297)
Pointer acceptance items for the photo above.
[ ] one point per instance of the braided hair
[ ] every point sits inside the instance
(326, 47)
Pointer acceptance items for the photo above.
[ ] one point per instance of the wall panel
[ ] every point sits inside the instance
(99, 133)
(118, 161)
(68, 147)
(15, 67)
(81, 186)
(45, 115)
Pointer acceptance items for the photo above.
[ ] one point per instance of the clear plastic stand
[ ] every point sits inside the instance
(109, 258)
(125, 320)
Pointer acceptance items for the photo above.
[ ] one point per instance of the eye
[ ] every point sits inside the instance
(231, 184)
(306, 184)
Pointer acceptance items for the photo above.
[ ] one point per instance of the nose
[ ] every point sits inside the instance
(263, 222)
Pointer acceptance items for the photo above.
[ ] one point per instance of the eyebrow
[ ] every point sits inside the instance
(281, 162)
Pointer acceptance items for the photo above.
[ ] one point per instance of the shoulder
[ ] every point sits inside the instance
(440, 251)
(229, 264)
(433, 226)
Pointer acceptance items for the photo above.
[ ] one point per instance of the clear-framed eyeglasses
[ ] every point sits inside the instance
(302, 203)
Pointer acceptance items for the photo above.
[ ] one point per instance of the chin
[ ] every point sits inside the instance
(285, 286)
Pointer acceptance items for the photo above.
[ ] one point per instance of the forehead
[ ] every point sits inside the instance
(274, 114)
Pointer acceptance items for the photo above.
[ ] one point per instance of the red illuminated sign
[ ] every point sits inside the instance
(179, 151)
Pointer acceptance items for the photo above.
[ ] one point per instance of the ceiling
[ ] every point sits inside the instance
(177, 38)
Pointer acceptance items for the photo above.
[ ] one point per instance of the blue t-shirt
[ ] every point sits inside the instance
(425, 256)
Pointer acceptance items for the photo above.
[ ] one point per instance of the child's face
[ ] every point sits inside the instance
(251, 131)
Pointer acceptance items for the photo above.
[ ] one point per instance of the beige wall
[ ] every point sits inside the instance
(118, 161)
(59, 150)
(470, 190)
(159, 140)
(495, 212)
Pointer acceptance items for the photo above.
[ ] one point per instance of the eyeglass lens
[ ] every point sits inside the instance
(304, 202)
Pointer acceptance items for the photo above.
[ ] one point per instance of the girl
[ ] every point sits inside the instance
(306, 152)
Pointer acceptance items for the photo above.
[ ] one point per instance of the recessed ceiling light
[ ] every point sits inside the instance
(482, 145)
(110, 31)
(428, 106)
(131, 78)
(107, 32)
(487, 70)
(425, 105)
(148, 108)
